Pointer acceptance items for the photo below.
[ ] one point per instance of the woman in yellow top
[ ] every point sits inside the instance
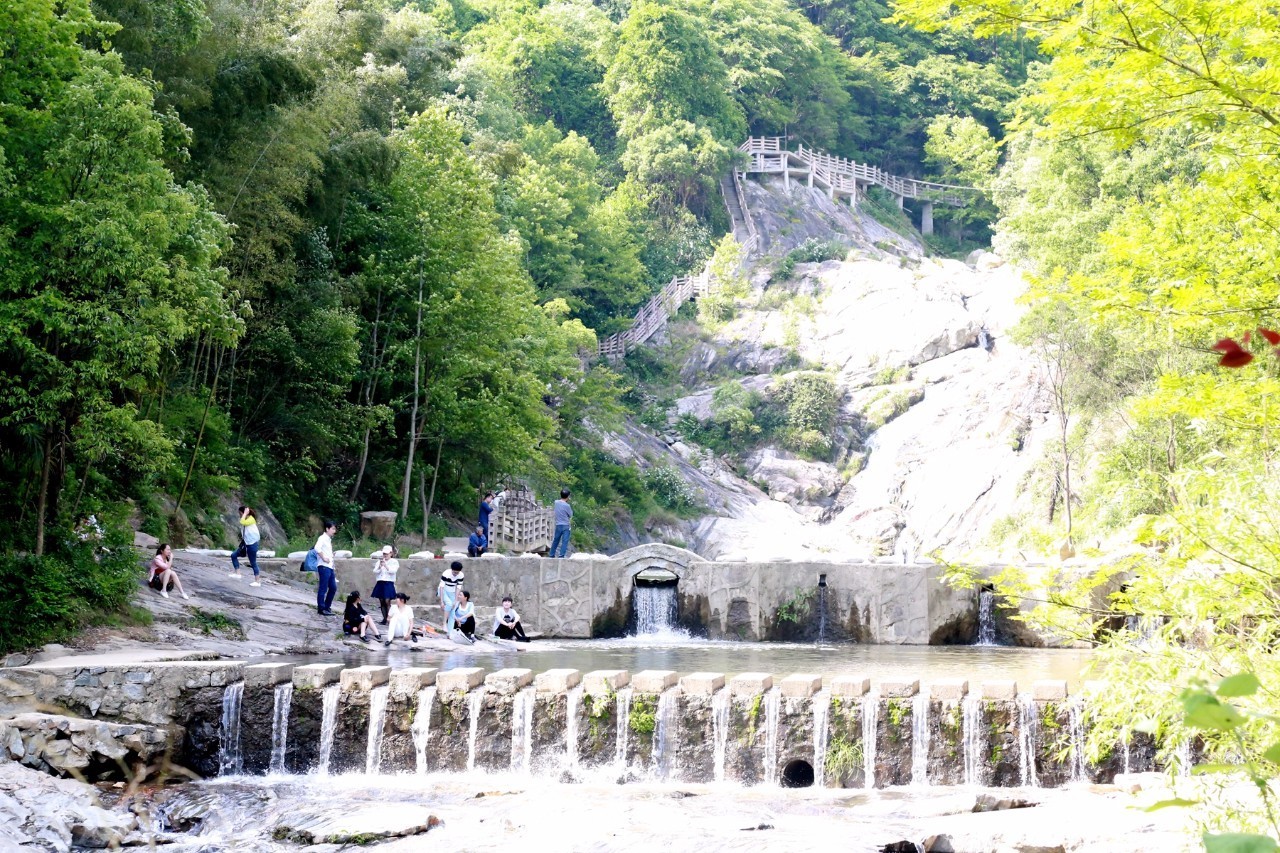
(250, 538)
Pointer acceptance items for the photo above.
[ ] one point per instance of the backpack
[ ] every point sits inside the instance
(310, 562)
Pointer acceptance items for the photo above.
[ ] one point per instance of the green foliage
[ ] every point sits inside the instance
(811, 404)
(810, 251)
(643, 715)
(74, 585)
(212, 622)
(798, 608)
(669, 488)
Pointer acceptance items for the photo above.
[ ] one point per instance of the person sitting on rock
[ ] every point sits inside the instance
(401, 624)
(506, 623)
(463, 615)
(447, 591)
(356, 620)
(478, 543)
(161, 576)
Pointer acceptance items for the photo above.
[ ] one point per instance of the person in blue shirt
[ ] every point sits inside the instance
(486, 507)
(464, 615)
(477, 543)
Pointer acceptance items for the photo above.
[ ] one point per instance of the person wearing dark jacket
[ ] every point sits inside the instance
(486, 507)
(356, 620)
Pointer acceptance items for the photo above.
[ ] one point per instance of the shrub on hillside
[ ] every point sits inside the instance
(52, 597)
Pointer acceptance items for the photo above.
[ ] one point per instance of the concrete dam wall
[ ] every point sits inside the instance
(752, 728)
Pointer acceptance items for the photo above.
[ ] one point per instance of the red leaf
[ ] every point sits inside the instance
(1228, 345)
(1236, 358)
(1273, 338)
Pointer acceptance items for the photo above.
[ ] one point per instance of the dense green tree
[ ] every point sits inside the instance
(106, 263)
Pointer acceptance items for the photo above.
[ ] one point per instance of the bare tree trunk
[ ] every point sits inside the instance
(413, 415)
(42, 507)
(370, 385)
(195, 449)
(422, 496)
(435, 474)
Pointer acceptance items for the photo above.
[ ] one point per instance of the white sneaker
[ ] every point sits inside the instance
(255, 583)
(164, 593)
(184, 595)
(234, 575)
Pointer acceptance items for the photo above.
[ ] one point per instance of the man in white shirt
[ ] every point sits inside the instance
(447, 591)
(328, 587)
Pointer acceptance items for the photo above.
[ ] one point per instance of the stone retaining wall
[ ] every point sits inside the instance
(750, 728)
(591, 597)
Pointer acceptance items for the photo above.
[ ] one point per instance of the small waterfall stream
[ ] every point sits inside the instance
(377, 724)
(822, 610)
(280, 726)
(522, 731)
(475, 701)
(1075, 731)
(821, 721)
(421, 730)
(622, 726)
(986, 618)
(720, 731)
(572, 700)
(870, 722)
(772, 705)
(230, 760)
(664, 763)
(328, 722)
(971, 734)
(655, 608)
(1028, 726)
(920, 739)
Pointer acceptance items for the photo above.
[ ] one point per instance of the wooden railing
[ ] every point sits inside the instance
(840, 176)
(519, 523)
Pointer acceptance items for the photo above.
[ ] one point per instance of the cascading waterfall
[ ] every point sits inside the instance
(655, 608)
(1028, 723)
(328, 723)
(280, 726)
(572, 700)
(720, 731)
(772, 706)
(822, 613)
(920, 739)
(1075, 730)
(522, 731)
(663, 733)
(1183, 757)
(870, 713)
(622, 726)
(377, 723)
(1127, 746)
(971, 732)
(821, 716)
(422, 727)
(475, 700)
(230, 761)
(986, 618)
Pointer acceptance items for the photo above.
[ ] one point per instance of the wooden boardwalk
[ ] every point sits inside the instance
(768, 155)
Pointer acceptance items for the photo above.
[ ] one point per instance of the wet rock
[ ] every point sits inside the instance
(992, 803)
(55, 814)
(85, 749)
(370, 823)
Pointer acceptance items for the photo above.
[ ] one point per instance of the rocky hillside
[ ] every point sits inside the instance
(865, 406)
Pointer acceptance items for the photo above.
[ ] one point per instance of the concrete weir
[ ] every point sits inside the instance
(749, 729)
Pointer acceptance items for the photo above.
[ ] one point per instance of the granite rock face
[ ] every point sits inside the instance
(67, 746)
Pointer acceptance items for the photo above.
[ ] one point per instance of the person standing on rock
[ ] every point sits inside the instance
(328, 587)
(250, 539)
(486, 507)
(447, 591)
(385, 569)
(563, 517)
